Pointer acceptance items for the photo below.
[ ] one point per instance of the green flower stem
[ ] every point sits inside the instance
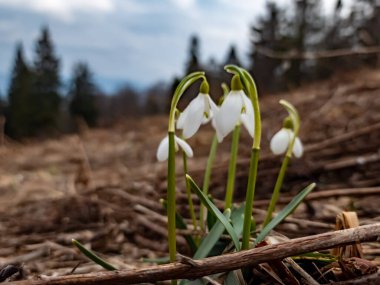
(181, 88)
(253, 166)
(206, 180)
(188, 192)
(171, 199)
(232, 168)
(293, 114)
(276, 190)
(250, 88)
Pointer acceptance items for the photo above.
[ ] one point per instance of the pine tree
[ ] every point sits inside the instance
(339, 34)
(45, 103)
(192, 65)
(304, 34)
(193, 62)
(232, 57)
(369, 26)
(18, 117)
(82, 95)
(268, 33)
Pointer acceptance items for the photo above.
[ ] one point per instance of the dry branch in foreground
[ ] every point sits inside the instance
(222, 263)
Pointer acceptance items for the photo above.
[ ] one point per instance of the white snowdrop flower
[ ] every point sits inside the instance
(163, 148)
(280, 142)
(200, 111)
(236, 108)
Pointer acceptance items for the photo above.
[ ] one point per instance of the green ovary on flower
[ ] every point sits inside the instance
(236, 108)
(200, 111)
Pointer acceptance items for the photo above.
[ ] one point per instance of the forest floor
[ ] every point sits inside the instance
(103, 187)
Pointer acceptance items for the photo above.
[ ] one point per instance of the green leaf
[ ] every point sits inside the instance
(180, 224)
(211, 219)
(158, 260)
(212, 237)
(237, 219)
(215, 211)
(232, 279)
(192, 282)
(91, 255)
(284, 213)
(316, 256)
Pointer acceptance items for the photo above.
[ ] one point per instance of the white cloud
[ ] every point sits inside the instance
(184, 4)
(62, 9)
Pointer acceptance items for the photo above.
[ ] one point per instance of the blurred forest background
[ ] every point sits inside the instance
(283, 49)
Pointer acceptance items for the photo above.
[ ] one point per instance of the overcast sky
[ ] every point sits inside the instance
(139, 41)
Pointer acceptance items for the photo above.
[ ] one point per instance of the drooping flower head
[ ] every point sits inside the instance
(200, 111)
(281, 140)
(236, 108)
(163, 148)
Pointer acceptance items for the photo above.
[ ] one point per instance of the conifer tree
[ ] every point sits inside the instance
(193, 61)
(304, 32)
(18, 117)
(232, 57)
(268, 33)
(192, 65)
(82, 95)
(45, 103)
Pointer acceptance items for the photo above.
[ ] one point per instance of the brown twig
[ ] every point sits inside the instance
(223, 263)
(372, 279)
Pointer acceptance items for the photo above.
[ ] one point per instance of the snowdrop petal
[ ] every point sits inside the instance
(280, 141)
(212, 110)
(163, 149)
(248, 118)
(297, 148)
(229, 114)
(249, 123)
(219, 133)
(185, 146)
(194, 116)
(181, 120)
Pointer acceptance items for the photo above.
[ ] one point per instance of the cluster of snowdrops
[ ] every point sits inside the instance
(239, 106)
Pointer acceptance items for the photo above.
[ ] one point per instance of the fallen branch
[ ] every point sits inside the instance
(217, 264)
(372, 279)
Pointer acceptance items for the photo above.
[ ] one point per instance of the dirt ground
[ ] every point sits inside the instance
(103, 187)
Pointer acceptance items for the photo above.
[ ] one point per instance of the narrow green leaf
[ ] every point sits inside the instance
(215, 211)
(158, 260)
(91, 255)
(192, 282)
(284, 213)
(231, 279)
(316, 256)
(211, 219)
(237, 219)
(212, 237)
